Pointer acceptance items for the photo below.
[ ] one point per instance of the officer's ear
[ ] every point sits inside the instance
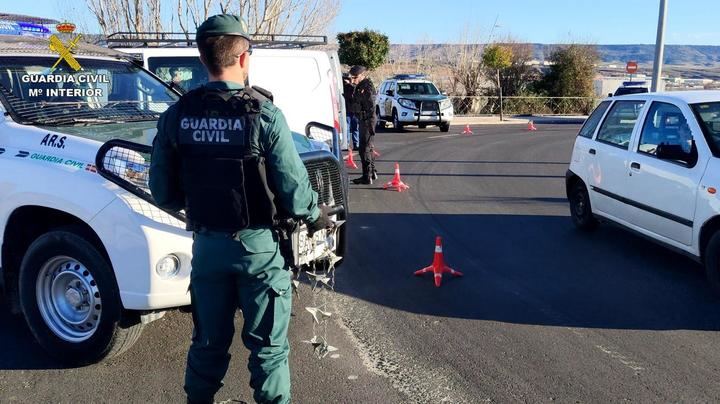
(244, 59)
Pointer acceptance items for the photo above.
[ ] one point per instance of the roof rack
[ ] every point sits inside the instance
(181, 39)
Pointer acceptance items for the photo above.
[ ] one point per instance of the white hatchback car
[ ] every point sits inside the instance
(651, 163)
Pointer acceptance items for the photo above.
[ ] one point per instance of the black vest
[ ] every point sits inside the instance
(224, 180)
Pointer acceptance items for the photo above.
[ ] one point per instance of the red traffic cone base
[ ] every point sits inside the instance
(438, 267)
(467, 130)
(531, 125)
(396, 182)
(349, 161)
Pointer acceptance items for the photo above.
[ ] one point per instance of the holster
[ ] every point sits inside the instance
(285, 228)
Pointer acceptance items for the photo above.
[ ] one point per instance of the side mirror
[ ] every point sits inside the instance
(610, 94)
(389, 93)
(677, 153)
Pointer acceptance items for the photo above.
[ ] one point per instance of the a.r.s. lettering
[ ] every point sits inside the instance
(56, 141)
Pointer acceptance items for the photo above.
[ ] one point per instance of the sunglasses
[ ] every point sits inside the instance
(249, 52)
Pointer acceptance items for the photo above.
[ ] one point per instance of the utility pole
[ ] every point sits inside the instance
(659, 47)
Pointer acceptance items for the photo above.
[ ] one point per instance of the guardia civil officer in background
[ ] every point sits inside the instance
(352, 122)
(224, 153)
(363, 106)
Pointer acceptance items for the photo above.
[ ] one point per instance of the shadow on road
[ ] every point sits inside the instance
(535, 270)
(18, 349)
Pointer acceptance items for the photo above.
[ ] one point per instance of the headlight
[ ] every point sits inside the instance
(407, 103)
(168, 267)
(445, 104)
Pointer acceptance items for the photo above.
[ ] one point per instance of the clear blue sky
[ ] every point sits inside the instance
(694, 22)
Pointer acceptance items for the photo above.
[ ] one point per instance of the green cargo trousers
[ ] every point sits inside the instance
(247, 272)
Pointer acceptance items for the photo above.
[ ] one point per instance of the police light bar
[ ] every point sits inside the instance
(633, 83)
(409, 76)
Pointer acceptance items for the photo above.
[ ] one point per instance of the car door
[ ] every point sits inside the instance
(389, 99)
(663, 185)
(380, 99)
(608, 177)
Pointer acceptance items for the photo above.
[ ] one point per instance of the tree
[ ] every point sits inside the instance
(290, 17)
(127, 15)
(572, 71)
(520, 76)
(497, 57)
(367, 48)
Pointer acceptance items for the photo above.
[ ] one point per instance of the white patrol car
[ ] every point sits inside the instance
(86, 256)
(410, 99)
(651, 163)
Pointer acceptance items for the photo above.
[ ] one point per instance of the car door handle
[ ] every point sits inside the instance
(592, 151)
(635, 166)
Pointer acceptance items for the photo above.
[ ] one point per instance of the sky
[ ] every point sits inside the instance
(689, 22)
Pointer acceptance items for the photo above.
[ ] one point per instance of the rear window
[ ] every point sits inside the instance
(708, 116)
(619, 123)
(592, 122)
(186, 72)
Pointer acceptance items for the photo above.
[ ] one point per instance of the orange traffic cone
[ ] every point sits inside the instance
(349, 161)
(531, 126)
(467, 130)
(396, 181)
(438, 266)
(375, 153)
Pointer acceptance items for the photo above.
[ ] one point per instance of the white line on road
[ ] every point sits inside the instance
(442, 136)
(622, 358)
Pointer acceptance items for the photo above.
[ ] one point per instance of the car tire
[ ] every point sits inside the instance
(396, 122)
(422, 126)
(712, 262)
(71, 302)
(580, 208)
(444, 127)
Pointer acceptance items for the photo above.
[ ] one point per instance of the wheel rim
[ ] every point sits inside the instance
(580, 204)
(68, 299)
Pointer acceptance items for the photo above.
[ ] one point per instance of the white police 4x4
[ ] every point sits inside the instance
(86, 256)
(409, 99)
(651, 163)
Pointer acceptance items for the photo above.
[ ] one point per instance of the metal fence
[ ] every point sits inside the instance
(484, 105)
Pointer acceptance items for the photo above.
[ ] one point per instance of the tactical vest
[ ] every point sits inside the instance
(224, 180)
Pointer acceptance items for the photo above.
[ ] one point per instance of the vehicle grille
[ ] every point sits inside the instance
(429, 106)
(326, 180)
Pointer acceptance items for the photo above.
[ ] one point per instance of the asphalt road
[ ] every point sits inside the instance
(543, 313)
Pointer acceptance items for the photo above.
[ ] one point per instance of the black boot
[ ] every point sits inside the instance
(363, 180)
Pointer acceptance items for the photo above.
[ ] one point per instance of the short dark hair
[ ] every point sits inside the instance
(221, 51)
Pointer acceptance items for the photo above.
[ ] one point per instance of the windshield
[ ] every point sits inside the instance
(417, 89)
(102, 91)
(708, 115)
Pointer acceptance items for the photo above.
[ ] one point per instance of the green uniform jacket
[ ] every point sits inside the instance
(285, 169)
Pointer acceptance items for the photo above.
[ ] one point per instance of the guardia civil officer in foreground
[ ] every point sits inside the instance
(363, 106)
(225, 154)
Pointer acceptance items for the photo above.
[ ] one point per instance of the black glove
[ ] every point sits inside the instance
(322, 222)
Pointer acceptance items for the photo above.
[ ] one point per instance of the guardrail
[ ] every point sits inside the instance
(484, 105)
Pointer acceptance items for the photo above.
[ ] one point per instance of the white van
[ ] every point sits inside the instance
(306, 84)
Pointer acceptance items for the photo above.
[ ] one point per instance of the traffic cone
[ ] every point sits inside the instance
(467, 130)
(396, 181)
(438, 266)
(349, 161)
(375, 152)
(531, 126)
